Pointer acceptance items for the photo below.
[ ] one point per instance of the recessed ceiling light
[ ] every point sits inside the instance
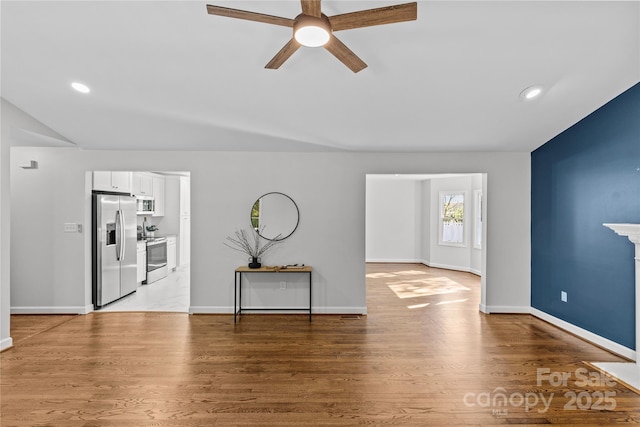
(80, 87)
(531, 92)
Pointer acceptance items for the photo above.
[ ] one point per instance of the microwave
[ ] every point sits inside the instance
(146, 205)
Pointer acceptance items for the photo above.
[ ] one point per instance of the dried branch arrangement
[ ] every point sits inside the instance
(250, 243)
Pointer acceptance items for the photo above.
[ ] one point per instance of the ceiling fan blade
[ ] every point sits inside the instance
(311, 7)
(284, 54)
(249, 16)
(345, 55)
(379, 16)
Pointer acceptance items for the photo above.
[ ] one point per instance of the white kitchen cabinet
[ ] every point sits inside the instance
(171, 253)
(158, 194)
(142, 184)
(142, 262)
(112, 181)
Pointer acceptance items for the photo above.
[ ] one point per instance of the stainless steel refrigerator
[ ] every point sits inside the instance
(114, 247)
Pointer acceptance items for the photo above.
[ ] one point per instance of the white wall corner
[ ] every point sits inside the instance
(586, 335)
(6, 343)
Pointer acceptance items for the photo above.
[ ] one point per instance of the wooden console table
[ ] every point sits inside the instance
(237, 290)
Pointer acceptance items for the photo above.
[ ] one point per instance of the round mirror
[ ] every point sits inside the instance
(275, 216)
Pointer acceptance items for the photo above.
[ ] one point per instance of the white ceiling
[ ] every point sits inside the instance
(166, 75)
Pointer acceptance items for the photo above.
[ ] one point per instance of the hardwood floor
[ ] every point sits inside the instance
(424, 355)
(24, 326)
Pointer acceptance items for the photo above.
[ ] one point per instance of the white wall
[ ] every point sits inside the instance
(393, 220)
(17, 128)
(42, 200)
(425, 243)
(5, 224)
(329, 189)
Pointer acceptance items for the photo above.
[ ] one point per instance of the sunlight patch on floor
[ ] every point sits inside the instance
(411, 273)
(411, 307)
(395, 274)
(379, 275)
(453, 302)
(425, 287)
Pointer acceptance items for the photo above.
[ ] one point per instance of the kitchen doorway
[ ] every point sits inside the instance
(164, 237)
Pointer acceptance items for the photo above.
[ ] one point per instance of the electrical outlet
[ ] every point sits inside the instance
(563, 296)
(72, 227)
(283, 285)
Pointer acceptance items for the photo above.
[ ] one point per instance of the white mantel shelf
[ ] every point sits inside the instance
(632, 231)
(628, 373)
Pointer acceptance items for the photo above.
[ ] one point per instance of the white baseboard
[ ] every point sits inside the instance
(395, 260)
(447, 267)
(428, 264)
(6, 343)
(52, 310)
(476, 272)
(206, 309)
(586, 335)
(315, 310)
(340, 310)
(505, 309)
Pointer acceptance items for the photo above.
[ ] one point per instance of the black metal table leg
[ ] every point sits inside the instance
(310, 292)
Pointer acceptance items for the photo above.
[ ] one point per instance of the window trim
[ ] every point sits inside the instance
(441, 195)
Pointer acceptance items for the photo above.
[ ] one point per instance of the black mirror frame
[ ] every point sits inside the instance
(297, 220)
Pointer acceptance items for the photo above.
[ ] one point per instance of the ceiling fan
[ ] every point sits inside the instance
(312, 28)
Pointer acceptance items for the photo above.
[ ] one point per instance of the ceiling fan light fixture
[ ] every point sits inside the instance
(310, 31)
(312, 36)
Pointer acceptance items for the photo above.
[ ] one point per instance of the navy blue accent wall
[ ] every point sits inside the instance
(586, 176)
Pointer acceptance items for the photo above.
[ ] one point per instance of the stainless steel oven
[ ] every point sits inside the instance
(156, 258)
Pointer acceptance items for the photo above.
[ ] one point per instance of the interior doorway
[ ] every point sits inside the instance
(170, 219)
(433, 221)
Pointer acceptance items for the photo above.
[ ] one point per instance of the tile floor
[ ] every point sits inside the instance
(168, 294)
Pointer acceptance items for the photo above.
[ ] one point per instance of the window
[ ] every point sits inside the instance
(477, 217)
(452, 218)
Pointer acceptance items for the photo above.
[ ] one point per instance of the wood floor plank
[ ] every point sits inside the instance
(24, 326)
(423, 355)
